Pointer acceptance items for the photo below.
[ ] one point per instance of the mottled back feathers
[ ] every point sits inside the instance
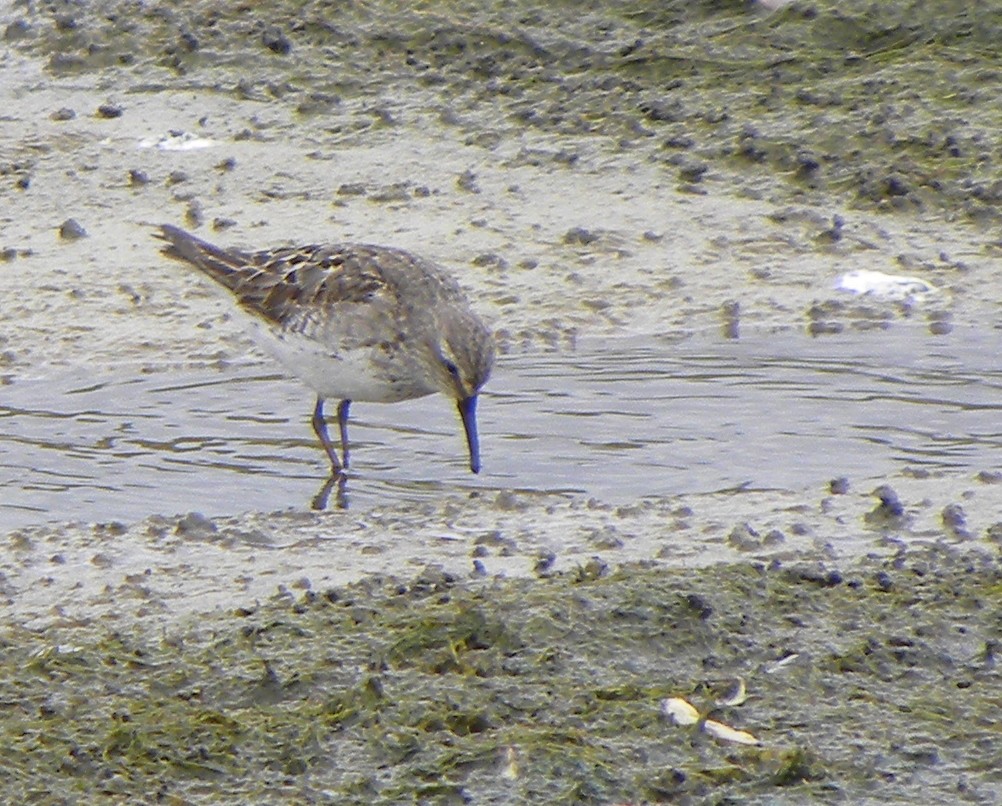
(278, 284)
(354, 296)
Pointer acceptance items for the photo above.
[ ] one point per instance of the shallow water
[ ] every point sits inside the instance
(618, 421)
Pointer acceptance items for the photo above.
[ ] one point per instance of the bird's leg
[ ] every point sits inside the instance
(320, 427)
(342, 424)
(337, 482)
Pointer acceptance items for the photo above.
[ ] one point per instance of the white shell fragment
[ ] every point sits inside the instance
(679, 711)
(736, 694)
(510, 770)
(178, 141)
(887, 286)
(782, 663)
(725, 733)
(682, 712)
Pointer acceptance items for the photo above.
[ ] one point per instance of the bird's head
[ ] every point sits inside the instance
(463, 359)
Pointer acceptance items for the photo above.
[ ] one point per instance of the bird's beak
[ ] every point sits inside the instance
(468, 412)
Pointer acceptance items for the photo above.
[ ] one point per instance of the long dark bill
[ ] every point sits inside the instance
(468, 411)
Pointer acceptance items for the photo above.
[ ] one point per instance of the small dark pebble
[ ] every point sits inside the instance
(7, 254)
(693, 172)
(816, 576)
(66, 22)
(591, 570)
(895, 185)
(663, 111)
(544, 562)
(744, 538)
(579, 235)
(227, 164)
(889, 500)
(109, 111)
(138, 178)
(276, 41)
(70, 230)
(352, 189)
(699, 606)
(680, 141)
(223, 223)
(955, 521)
(808, 165)
(492, 259)
(23, 183)
(940, 327)
(195, 523)
(467, 181)
(889, 508)
(774, 537)
(393, 193)
(884, 581)
(839, 486)
(63, 114)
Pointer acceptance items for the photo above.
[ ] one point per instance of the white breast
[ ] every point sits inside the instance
(362, 374)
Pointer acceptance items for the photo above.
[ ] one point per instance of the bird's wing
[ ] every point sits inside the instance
(282, 285)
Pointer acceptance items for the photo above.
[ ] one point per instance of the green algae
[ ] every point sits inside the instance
(543, 690)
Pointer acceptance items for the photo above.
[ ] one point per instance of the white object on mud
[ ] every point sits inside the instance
(887, 286)
(682, 712)
(718, 730)
(178, 141)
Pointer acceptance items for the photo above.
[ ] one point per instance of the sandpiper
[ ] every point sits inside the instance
(355, 322)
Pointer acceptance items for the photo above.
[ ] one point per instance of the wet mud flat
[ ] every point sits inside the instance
(594, 169)
(872, 680)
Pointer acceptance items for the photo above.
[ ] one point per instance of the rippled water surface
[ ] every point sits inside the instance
(618, 421)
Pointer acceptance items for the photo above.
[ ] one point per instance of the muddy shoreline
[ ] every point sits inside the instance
(698, 170)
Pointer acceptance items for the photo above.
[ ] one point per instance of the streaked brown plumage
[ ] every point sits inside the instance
(354, 322)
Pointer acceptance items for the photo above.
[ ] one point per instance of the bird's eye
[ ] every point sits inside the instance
(452, 369)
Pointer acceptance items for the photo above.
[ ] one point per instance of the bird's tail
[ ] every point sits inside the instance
(226, 266)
